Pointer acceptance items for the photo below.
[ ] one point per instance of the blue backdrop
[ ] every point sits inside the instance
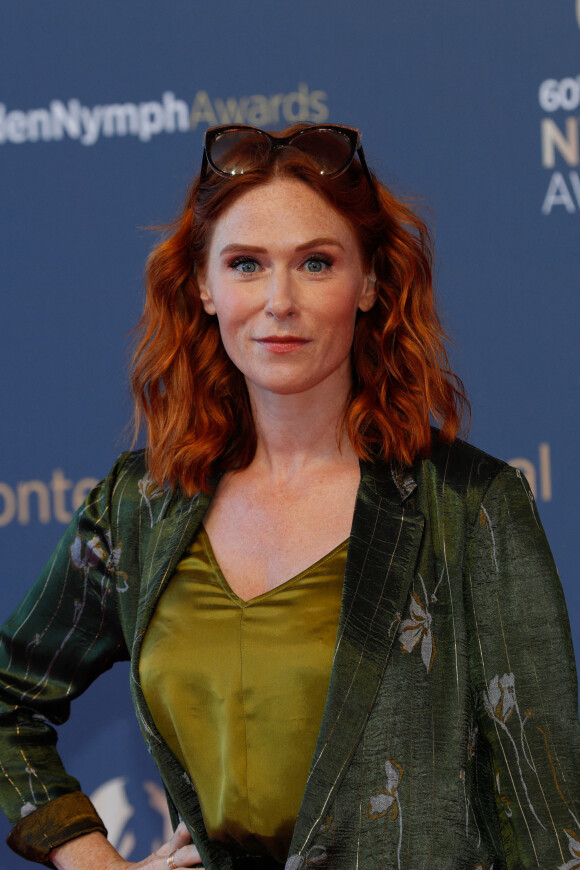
(103, 105)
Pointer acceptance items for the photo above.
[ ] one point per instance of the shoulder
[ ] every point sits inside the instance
(459, 476)
(131, 492)
(460, 465)
(453, 469)
(127, 488)
(125, 480)
(131, 463)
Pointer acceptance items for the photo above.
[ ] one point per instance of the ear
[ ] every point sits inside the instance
(368, 294)
(205, 294)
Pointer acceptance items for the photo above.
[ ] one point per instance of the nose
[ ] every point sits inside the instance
(281, 298)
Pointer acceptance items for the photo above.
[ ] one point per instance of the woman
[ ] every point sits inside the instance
(345, 628)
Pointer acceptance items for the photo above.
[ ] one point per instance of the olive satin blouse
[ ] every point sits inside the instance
(237, 690)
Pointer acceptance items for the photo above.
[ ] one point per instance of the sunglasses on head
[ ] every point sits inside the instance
(237, 148)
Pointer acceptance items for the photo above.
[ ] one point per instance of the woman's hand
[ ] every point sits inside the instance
(179, 848)
(94, 852)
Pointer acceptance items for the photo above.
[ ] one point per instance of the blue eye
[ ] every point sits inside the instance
(245, 265)
(316, 264)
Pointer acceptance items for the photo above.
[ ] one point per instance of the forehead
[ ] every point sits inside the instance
(283, 209)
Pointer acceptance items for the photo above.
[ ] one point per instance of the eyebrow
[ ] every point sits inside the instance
(323, 240)
(256, 249)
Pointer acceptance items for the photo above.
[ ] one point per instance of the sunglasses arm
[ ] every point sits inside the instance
(204, 165)
(364, 166)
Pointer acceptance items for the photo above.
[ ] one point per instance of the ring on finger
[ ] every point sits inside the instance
(171, 861)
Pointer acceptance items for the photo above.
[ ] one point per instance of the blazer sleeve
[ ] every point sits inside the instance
(64, 634)
(525, 680)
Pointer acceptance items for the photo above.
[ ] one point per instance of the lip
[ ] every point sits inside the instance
(282, 343)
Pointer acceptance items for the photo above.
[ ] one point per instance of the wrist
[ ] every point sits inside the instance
(89, 852)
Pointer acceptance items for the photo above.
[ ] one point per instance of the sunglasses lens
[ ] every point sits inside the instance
(235, 151)
(330, 150)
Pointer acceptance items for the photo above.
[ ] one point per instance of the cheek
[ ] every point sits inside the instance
(233, 325)
(230, 315)
(342, 314)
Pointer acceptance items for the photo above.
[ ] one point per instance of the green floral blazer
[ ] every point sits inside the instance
(450, 737)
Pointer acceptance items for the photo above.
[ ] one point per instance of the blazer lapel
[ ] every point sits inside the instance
(164, 546)
(169, 538)
(382, 555)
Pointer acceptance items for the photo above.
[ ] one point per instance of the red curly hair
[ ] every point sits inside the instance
(193, 399)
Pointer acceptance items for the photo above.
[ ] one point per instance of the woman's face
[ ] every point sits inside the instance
(285, 278)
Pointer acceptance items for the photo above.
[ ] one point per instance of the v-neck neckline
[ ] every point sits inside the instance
(245, 602)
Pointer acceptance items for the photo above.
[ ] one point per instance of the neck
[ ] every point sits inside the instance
(299, 432)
